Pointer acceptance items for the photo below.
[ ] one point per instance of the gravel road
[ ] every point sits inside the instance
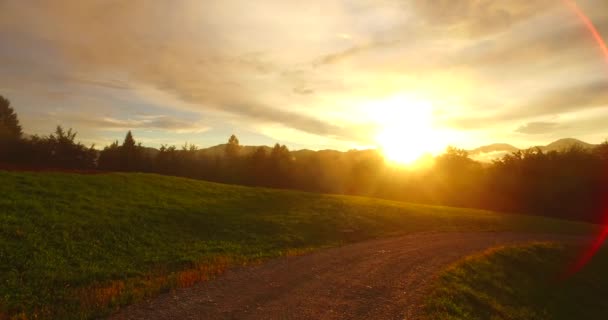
(378, 279)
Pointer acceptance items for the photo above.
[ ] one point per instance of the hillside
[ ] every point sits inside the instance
(521, 282)
(77, 246)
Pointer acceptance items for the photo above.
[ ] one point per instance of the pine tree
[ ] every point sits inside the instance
(129, 142)
(130, 154)
(9, 123)
(232, 149)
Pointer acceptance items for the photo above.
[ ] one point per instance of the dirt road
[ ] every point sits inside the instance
(379, 279)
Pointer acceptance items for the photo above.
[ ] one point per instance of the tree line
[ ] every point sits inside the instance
(570, 184)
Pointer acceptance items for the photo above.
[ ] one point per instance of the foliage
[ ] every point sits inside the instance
(57, 150)
(126, 157)
(567, 184)
(10, 131)
(233, 147)
(76, 246)
(9, 123)
(520, 282)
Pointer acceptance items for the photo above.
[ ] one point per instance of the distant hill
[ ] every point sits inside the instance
(484, 153)
(220, 150)
(497, 150)
(563, 144)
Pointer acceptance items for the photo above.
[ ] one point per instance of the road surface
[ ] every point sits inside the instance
(377, 279)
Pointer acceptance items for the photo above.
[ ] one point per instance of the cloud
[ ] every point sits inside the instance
(110, 84)
(303, 90)
(474, 17)
(538, 127)
(290, 63)
(534, 43)
(341, 55)
(163, 122)
(185, 55)
(576, 98)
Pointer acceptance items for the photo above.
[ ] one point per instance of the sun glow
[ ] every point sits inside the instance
(406, 132)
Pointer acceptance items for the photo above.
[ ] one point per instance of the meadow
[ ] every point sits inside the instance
(81, 245)
(521, 282)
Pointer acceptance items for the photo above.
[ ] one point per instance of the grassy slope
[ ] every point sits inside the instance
(80, 244)
(521, 283)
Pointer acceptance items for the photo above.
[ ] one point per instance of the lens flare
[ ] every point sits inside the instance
(589, 25)
(595, 246)
(589, 252)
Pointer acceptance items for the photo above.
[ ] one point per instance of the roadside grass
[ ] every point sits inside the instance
(76, 246)
(521, 282)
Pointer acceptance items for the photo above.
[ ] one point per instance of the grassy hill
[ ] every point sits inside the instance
(77, 246)
(521, 282)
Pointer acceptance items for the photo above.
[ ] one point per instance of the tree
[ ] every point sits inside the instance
(232, 148)
(167, 160)
(109, 157)
(602, 151)
(281, 166)
(257, 167)
(187, 161)
(57, 150)
(65, 152)
(9, 123)
(131, 154)
(12, 147)
(63, 137)
(129, 142)
(456, 178)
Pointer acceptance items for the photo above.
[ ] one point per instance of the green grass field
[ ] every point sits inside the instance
(522, 282)
(78, 246)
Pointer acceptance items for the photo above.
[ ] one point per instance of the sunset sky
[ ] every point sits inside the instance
(309, 74)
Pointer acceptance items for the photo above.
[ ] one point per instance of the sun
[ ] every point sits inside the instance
(406, 132)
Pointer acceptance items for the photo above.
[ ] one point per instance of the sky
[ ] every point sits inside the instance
(308, 74)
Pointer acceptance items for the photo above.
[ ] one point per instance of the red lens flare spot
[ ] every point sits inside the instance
(589, 252)
(595, 246)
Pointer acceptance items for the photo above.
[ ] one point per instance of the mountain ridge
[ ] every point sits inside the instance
(557, 145)
(481, 153)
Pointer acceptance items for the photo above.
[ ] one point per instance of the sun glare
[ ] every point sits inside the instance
(406, 130)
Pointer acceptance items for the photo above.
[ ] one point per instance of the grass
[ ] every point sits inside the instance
(523, 282)
(78, 246)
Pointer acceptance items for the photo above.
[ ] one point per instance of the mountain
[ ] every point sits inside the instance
(493, 151)
(485, 153)
(220, 150)
(563, 144)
